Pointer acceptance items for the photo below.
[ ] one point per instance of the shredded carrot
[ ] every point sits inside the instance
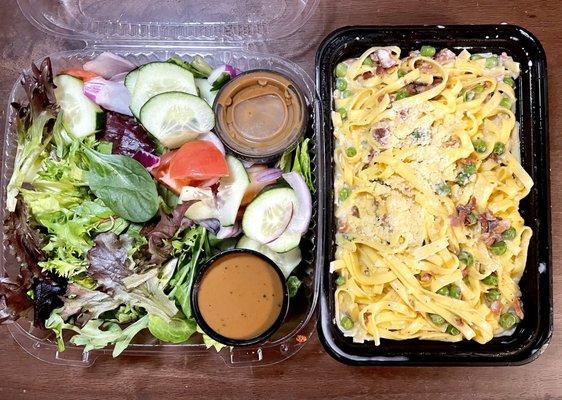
(80, 74)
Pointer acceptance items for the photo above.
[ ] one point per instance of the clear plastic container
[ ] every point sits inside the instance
(143, 31)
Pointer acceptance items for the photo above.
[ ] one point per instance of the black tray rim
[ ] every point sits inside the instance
(540, 342)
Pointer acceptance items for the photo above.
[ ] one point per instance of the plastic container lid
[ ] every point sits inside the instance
(234, 21)
(144, 31)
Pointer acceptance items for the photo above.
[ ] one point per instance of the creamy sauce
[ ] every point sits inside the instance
(240, 296)
(260, 114)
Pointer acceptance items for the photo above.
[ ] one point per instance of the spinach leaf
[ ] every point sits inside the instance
(123, 184)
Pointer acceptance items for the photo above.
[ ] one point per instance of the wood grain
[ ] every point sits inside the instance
(311, 373)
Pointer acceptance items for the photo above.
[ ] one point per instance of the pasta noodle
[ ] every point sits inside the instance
(430, 242)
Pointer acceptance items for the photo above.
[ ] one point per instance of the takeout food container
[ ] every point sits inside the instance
(533, 333)
(144, 31)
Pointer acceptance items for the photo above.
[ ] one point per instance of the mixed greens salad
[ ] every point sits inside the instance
(120, 190)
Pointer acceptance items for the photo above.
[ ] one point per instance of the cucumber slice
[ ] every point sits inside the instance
(269, 214)
(231, 190)
(286, 242)
(229, 196)
(175, 117)
(287, 262)
(131, 80)
(205, 91)
(159, 77)
(80, 115)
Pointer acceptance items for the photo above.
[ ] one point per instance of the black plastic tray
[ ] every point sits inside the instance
(534, 332)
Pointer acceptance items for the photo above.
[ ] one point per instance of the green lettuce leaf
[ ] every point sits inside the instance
(178, 330)
(96, 334)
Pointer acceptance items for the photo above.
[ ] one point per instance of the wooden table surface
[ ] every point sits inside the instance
(311, 373)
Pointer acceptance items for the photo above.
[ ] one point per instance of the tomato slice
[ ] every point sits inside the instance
(81, 74)
(162, 173)
(198, 160)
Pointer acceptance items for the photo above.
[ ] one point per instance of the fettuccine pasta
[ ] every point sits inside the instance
(430, 243)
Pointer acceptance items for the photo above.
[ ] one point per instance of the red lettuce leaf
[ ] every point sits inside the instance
(27, 243)
(108, 259)
(126, 135)
(158, 248)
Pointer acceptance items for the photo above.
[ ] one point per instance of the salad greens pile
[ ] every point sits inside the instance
(98, 212)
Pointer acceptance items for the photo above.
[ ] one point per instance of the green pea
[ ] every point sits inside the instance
(455, 292)
(462, 179)
(505, 102)
(427, 51)
(509, 234)
(509, 81)
(469, 169)
(401, 73)
(341, 70)
(451, 330)
(417, 134)
(341, 84)
(491, 280)
(478, 88)
(444, 291)
(343, 112)
(340, 280)
(348, 237)
(508, 319)
(476, 57)
(499, 248)
(346, 93)
(402, 94)
(346, 323)
(466, 172)
(479, 145)
(469, 95)
(351, 152)
(368, 61)
(491, 62)
(466, 258)
(344, 193)
(437, 319)
(472, 219)
(443, 189)
(499, 148)
(493, 295)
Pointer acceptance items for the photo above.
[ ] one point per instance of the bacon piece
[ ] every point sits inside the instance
(463, 212)
(381, 134)
(368, 74)
(445, 56)
(343, 226)
(416, 88)
(425, 277)
(492, 227)
(384, 58)
(518, 307)
(496, 307)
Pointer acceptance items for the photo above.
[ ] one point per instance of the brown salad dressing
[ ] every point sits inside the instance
(240, 296)
(260, 114)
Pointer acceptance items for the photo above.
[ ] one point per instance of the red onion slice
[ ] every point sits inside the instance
(229, 231)
(268, 176)
(112, 96)
(211, 137)
(212, 225)
(108, 64)
(301, 216)
(148, 160)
